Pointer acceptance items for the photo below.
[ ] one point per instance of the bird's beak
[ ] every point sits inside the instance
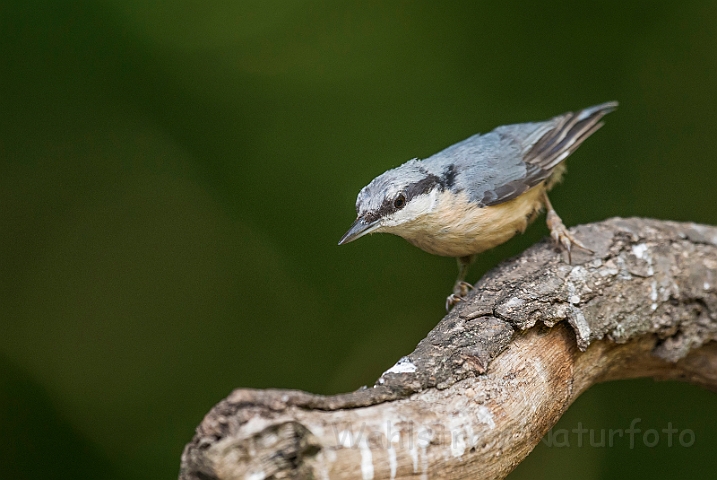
(360, 228)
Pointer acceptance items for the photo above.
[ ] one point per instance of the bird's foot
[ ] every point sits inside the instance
(561, 236)
(460, 290)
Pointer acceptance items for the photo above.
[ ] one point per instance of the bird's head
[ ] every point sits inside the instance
(396, 199)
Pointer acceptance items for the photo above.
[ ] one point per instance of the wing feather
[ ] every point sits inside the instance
(557, 140)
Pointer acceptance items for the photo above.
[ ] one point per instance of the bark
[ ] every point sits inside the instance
(481, 390)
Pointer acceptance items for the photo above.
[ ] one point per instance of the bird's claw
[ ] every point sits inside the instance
(460, 290)
(452, 301)
(562, 237)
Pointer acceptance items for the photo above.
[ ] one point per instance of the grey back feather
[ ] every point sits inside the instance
(500, 165)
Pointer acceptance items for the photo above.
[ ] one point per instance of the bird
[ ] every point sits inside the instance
(478, 193)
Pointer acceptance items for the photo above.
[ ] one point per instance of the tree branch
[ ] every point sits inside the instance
(481, 390)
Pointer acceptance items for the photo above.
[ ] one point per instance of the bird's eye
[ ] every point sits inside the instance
(400, 201)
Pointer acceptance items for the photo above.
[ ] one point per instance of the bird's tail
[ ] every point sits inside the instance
(570, 130)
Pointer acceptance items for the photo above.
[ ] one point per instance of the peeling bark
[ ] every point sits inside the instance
(481, 390)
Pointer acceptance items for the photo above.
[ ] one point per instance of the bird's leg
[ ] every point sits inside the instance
(558, 232)
(461, 287)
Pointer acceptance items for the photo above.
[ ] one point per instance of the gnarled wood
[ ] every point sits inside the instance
(481, 390)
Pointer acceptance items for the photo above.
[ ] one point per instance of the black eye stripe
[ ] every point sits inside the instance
(413, 190)
(423, 186)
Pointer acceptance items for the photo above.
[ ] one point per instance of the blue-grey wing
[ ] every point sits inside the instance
(500, 165)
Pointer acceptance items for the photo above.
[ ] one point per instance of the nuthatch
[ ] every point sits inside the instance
(478, 193)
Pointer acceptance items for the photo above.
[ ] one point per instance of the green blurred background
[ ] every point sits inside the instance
(175, 176)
